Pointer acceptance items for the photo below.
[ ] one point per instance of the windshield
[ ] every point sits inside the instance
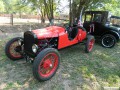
(115, 21)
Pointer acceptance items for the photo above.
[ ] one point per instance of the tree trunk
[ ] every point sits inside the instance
(74, 11)
(70, 13)
(42, 20)
(49, 10)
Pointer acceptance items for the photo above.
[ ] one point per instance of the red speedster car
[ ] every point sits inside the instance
(41, 46)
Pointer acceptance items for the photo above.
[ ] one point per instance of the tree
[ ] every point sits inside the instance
(44, 8)
(49, 7)
(38, 6)
(1, 7)
(82, 5)
(11, 7)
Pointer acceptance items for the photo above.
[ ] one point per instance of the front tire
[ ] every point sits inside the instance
(108, 41)
(46, 64)
(89, 44)
(10, 49)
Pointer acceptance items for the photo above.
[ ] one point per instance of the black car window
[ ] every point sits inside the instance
(97, 17)
(88, 18)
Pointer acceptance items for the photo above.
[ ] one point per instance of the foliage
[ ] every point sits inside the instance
(111, 5)
(1, 6)
(49, 7)
(43, 7)
(14, 6)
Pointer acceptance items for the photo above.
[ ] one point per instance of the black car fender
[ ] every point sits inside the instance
(112, 32)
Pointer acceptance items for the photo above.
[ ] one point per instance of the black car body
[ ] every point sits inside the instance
(104, 27)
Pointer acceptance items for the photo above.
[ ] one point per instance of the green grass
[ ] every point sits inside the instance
(78, 70)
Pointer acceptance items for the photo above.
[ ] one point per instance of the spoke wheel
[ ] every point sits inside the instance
(108, 41)
(12, 49)
(89, 44)
(46, 64)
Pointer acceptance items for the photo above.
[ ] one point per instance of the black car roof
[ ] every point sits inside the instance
(115, 17)
(91, 12)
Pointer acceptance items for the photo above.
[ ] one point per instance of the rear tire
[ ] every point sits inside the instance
(108, 41)
(46, 64)
(10, 49)
(89, 44)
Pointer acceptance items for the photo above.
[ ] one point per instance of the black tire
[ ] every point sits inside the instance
(7, 49)
(38, 62)
(89, 43)
(108, 41)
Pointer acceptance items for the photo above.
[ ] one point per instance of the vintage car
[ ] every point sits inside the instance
(41, 47)
(103, 26)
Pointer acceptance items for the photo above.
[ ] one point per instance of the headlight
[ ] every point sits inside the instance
(34, 48)
(20, 41)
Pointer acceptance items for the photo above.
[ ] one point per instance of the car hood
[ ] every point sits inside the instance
(49, 32)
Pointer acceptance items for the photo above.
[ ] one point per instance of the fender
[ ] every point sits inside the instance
(116, 33)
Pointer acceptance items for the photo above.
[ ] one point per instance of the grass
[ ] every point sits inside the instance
(78, 70)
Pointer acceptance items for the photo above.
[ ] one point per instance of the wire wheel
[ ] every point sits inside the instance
(108, 41)
(13, 49)
(48, 65)
(91, 44)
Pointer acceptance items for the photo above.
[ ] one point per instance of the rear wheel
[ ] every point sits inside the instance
(108, 41)
(13, 48)
(46, 64)
(89, 44)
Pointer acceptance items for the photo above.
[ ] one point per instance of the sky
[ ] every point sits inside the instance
(64, 7)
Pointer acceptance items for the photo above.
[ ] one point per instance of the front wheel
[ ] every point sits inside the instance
(108, 41)
(89, 44)
(46, 64)
(13, 48)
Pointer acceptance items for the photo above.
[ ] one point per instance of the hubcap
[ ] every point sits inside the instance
(47, 64)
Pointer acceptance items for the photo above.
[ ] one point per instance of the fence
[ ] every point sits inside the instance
(18, 19)
(13, 19)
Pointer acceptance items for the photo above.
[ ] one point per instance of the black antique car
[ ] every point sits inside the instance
(103, 26)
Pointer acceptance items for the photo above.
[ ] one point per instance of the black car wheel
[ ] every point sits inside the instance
(108, 41)
(13, 48)
(89, 44)
(46, 64)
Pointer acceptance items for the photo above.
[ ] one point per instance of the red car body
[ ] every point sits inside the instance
(41, 46)
(60, 32)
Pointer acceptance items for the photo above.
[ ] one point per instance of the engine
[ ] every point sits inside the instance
(32, 45)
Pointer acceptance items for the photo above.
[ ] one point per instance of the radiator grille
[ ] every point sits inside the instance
(29, 40)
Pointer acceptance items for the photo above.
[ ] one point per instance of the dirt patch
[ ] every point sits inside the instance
(19, 28)
(8, 31)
